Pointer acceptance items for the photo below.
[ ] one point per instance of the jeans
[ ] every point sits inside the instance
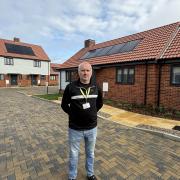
(75, 137)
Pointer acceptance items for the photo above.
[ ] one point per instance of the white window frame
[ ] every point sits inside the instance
(126, 72)
(37, 63)
(1, 77)
(173, 75)
(52, 77)
(8, 61)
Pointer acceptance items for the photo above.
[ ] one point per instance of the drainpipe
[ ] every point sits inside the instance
(70, 76)
(145, 84)
(48, 76)
(60, 81)
(159, 83)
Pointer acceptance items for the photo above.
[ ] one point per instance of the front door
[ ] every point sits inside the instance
(33, 79)
(13, 79)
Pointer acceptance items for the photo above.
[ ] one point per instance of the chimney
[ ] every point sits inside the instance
(16, 39)
(89, 43)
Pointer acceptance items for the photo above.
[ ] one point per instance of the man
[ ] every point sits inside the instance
(81, 100)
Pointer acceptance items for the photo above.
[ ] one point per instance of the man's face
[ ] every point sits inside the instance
(85, 73)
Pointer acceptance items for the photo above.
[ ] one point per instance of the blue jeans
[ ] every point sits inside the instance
(75, 137)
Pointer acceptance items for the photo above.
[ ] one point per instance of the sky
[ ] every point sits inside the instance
(62, 26)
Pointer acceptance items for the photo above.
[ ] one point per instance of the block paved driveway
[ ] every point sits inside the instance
(33, 145)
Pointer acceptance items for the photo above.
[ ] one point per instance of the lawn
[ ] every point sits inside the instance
(50, 96)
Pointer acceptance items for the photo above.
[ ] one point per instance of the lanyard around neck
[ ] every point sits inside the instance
(86, 94)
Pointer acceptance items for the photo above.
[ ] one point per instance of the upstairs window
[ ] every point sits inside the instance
(8, 61)
(1, 76)
(125, 75)
(175, 75)
(37, 63)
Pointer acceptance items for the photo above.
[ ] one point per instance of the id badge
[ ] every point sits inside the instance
(86, 105)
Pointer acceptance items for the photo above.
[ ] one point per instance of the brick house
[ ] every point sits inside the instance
(22, 64)
(142, 68)
(54, 74)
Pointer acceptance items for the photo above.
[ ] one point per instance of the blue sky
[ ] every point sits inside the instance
(61, 26)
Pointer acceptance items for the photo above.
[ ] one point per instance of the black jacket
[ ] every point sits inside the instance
(72, 104)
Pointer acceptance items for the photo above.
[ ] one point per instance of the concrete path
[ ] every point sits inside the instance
(134, 119)
(33, 145)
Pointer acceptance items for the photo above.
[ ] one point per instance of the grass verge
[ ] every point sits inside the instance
(50, 96)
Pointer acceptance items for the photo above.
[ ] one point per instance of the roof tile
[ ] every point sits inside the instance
(151, 47)
(38, 51)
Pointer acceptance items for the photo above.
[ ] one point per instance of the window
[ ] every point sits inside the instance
(1, 76)
(37, 63)
(43, 77)
(52, 77)
(8, 61)
(125, 75)
(68, 76)
(175, 75)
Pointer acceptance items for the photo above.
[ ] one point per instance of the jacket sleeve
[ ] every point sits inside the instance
(66, 99)
(99, 102)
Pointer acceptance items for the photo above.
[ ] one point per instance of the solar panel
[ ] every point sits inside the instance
(118, 48)
(115, 49)
(104, 51)
(18, 49)
(129, 46)
(96, 52)
(93, 53)
(85, 55)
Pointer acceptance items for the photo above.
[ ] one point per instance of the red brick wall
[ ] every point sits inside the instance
(43, 82)
(54, 82)
(124, 93)
(170, 95)
(25, 81)
(152, 84)
(2, 83)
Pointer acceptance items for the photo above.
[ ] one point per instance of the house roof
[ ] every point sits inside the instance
(55, 65)
(53, 68)
(159, 43)
(39, 53)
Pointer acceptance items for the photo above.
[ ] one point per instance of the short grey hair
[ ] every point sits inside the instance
(79, 66)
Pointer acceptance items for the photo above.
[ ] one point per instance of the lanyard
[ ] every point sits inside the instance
(86, 94)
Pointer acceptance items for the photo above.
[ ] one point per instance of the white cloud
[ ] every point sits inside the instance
(85, 7)
(164, 12)
(61, 26)
(89, 25)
